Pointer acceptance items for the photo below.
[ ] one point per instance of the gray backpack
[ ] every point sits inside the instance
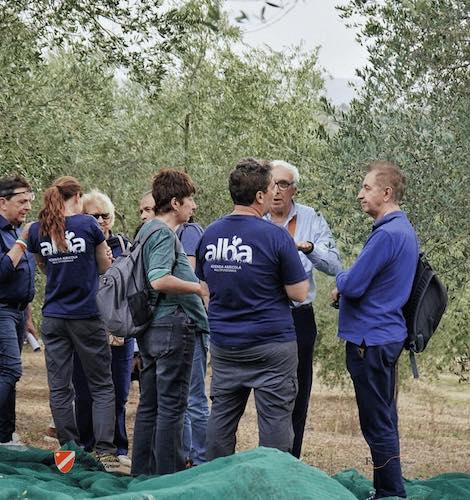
(123, 296)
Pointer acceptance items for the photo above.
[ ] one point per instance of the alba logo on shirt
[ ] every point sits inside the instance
(75, 245)
(225, 251)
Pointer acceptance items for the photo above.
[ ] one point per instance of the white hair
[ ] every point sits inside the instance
(292, 168)
(95, 196)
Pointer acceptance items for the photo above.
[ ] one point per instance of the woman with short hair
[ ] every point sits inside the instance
(167, 345)
(100, 206)
(71, 249)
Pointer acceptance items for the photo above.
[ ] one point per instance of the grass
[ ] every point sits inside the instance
(434, 424)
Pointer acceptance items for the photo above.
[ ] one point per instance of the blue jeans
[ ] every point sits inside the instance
(372, 371)
(195, 418)
(167, 353)
(121, 367)
(12, 323)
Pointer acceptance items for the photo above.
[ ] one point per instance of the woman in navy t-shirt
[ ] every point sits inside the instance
(72, 251)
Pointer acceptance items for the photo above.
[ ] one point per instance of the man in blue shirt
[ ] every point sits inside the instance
(252, 269)
(371, 296)
(317, 251)
(16, 292)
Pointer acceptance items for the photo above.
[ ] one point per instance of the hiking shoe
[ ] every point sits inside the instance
(124, 460)
(109, 462)
(50, 436)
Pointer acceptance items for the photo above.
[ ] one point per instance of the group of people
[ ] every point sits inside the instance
(246, 283)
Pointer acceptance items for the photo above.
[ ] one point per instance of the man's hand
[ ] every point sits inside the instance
(335, 298)
(109, 253)
(305, 246)
(29, 325)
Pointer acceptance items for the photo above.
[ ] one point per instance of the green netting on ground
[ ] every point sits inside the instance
(451, 486)
(257, 474)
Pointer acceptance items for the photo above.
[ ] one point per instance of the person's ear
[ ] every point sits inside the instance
(388, 193)
(175, 204)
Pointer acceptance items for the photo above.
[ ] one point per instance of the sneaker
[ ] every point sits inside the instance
(50, 436)
(124, 460)
(110, 462)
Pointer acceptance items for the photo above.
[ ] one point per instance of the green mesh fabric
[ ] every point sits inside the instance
(256, 474)
(451, 486)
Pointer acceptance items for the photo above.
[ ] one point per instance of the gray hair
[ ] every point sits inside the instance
(292, 168)
(95, 196)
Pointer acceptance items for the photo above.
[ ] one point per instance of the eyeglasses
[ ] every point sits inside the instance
(9, 194)
(283, 185)
(103, 216)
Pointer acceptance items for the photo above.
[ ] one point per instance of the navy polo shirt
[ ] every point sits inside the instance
(16, 283)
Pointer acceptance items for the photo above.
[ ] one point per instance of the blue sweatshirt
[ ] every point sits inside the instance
(16, 283)
(376, 287)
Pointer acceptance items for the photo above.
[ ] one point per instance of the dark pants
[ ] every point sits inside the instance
(121, 367)
(86, 337)
(306, 331)
(12, 323)
(167, 353)
(372, 371)
(271, 371)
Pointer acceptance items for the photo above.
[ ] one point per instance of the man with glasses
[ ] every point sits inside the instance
(16, 292)
(252, 270)
(317, 250)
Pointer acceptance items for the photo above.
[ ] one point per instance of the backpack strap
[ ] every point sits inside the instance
(122, 243)
(159, 225)
(178, 247)
(414, 366)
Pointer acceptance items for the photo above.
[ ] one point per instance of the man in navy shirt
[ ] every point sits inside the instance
(252, 269)
(371, 296)
(16, 292)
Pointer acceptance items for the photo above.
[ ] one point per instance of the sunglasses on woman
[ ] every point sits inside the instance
(103, 216)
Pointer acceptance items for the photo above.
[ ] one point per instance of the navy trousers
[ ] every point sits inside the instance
(372, 371)
(12, 323)
(306, 331)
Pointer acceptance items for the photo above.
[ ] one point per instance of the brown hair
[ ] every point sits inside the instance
(389, 175)
(249, 177)
(52, 214)
(169, 184)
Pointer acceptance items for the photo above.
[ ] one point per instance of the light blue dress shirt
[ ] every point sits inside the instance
(312, 226)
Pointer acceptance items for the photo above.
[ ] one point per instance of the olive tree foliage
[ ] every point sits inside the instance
(50, 113)
(137, 35)
(60, 105)
(413, 109)
(219, 106)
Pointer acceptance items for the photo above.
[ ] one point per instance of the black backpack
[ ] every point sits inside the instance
(424, 309)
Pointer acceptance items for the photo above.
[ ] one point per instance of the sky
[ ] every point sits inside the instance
(316, 23)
